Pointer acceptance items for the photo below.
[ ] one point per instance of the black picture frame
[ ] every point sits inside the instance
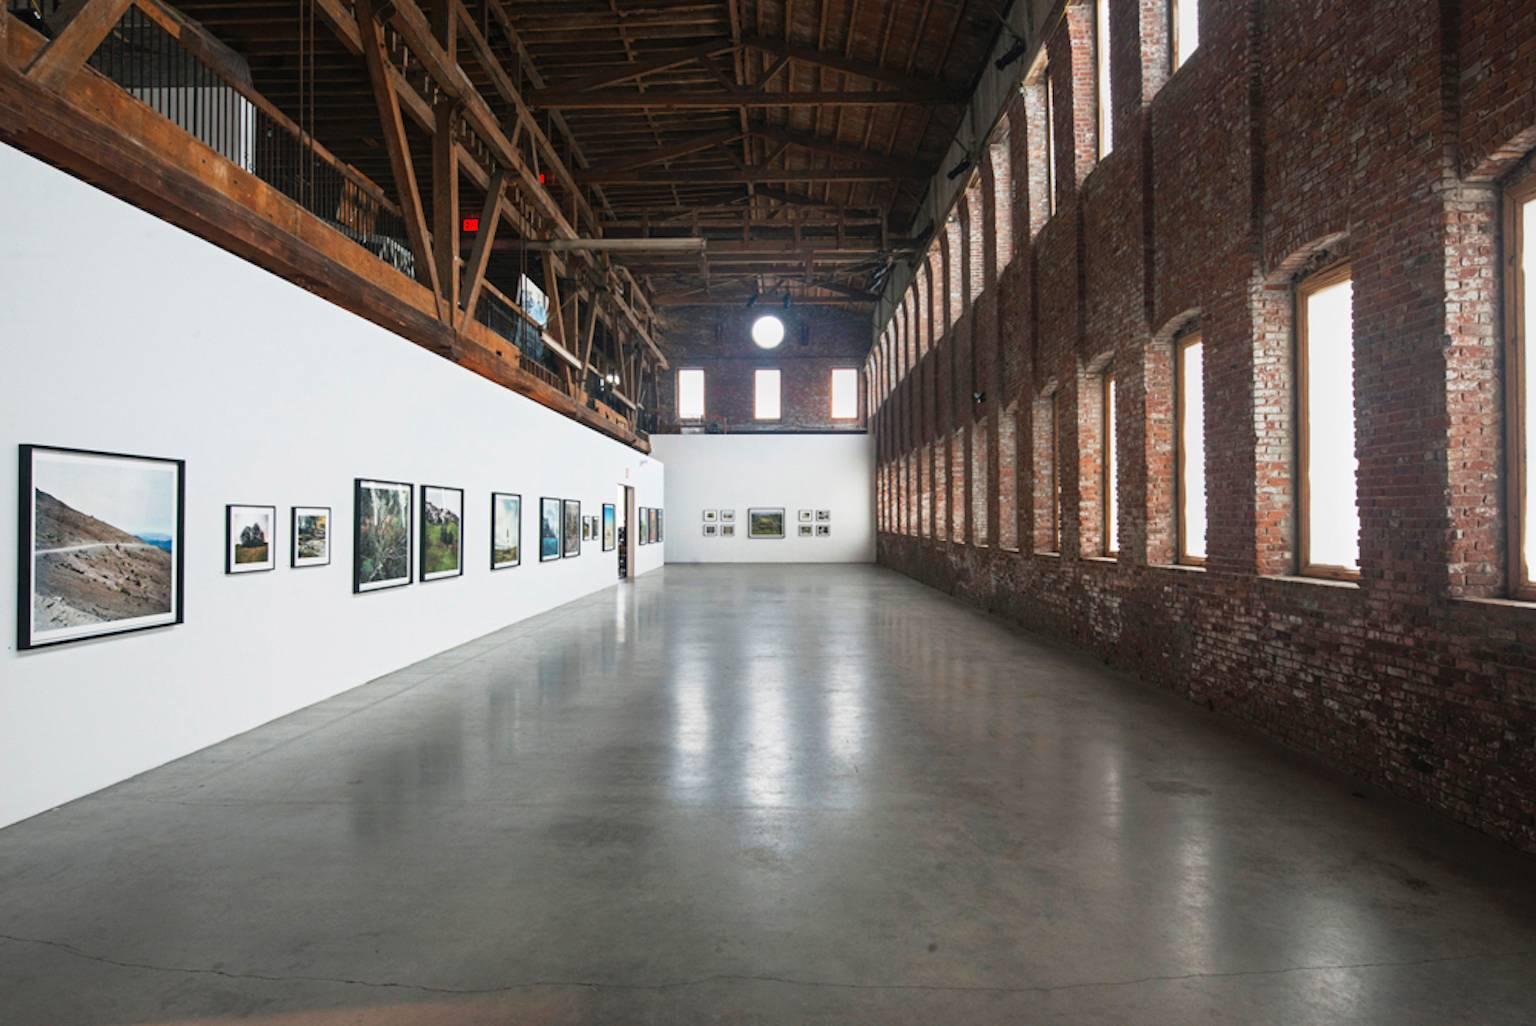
(424, 529)
(661, 529)
(232, 566)
(610, 527)
(546, 506)
(570, 529)
(408, 490)
(518, 529)
(27, 635)
(294, 560)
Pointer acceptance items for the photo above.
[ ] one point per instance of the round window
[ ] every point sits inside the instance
(767, 332)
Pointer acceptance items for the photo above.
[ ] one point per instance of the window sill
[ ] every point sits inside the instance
(1009, 548)
(1492, 600)
(1182, 568)
(1101, 559)
(1322, 582)
(1047, 554)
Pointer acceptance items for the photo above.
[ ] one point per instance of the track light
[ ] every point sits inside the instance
(786, 300)
(961, 168)
(1017, 50)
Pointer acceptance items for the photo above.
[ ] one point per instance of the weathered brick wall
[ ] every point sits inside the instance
(1297, 133)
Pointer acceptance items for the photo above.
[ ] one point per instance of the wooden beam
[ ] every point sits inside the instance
(919, 89)
(680, 148)
(742, 175)
(676, 99)
(392, 128)
(893, 166)
(57, 62)
(485, 240)
(638, 69)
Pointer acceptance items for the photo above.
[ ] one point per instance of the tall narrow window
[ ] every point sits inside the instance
(1106, 104)
(765, 392)
(1046, 502)
(1521, 375)
(1050, 143)
(690, 394)
(845, 393)
(1111, 467)
(1184, 23)
(1189, 392)
(1330, 516)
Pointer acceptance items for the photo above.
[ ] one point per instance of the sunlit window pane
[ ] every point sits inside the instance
(845, 394)
(690, 394)
(1191, 388)
(1186, 30)
(766, 394)
(1111, 477)
(1333, 519)
(1106, 102)
(1526, 227)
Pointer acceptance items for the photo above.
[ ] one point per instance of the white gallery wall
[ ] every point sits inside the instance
(119, 332)
(795, 472)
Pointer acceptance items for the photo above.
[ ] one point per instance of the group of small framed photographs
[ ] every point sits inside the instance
(562, 528)
(101, 539)
(767, 523)
(651, 527)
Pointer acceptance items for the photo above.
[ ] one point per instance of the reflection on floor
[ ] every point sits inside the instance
(756, 795)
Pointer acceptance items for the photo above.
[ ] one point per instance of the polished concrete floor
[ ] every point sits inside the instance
(799, 795)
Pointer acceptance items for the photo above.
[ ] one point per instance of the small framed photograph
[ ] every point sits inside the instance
(727, 516)
(711, 530)
(806, 530)
(309, 536)
(381, 534)
(610, 526)
(823, 515)
(250, 539)
(806, 515)
(442, 532)
(549, 529)
(823, 530)
(711, 516)
(570, 539)
(506, 530)
(727, 530)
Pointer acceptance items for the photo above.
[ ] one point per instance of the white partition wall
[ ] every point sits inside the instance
(120, 332)
(834, 473)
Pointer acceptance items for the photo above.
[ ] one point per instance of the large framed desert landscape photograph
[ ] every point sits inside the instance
(506, 530)
(100, 544)
(442, 532)
(250, 544)
(381, 546)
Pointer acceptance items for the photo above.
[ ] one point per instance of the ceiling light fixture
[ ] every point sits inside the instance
(966, 163)
(1014, 52)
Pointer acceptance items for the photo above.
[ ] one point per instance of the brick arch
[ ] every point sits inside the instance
(1302, 261)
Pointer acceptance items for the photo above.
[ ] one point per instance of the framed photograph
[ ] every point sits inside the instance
(727, 516)
(381, 547)
(309, 536)
(806, 516)
(807, 530)
(765, 523)
(549, 529)
(250, 542)
(823, 515)
(661, 527)
(823, 530)
(442, 532)
(506, 530)
(655, 518)
(570, 539)
(592, 528)
(711, 516)
(711, 530)
(610, 526)
(727, 530)
(645, 531)
(101, 544)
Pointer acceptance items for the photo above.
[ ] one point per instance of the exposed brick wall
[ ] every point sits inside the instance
(719, 341)
(1296, 134)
